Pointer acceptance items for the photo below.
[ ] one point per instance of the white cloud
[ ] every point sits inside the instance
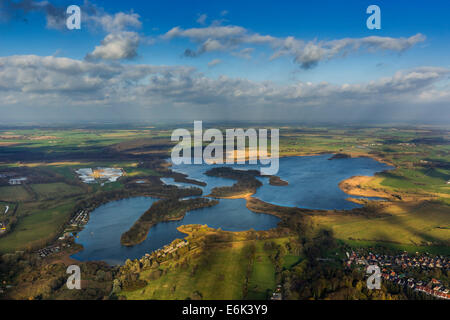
(43, 82)
(305, 53)
(121, 42)
(117, 46)
(308, 54)
(202, 19)
(115, 23)
(56, 15)
(245, 53)
(213, 32)
(214, 63)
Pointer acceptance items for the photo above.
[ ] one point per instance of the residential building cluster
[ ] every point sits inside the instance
(56, 248)
(402, 260)
(166, 250)
(394, 269)
(80, 219)
(433, 288)
(45, 252)
(277, 295)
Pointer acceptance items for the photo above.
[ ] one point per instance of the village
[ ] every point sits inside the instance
(166, 250)
(395, 270)
(64, 242)
(45, 252)
(277, 295)
(80, 219)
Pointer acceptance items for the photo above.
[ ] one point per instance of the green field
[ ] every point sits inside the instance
(220, 274)
(40, 226)
(262, 279)
(414, 225)
(14, 193)
(431, 180)
(398, 247)
(55, 190)
(235, 270)
(290, 261)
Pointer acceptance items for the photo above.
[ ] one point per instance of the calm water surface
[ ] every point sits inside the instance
(313, 184)
(313, 181)
(101, 236)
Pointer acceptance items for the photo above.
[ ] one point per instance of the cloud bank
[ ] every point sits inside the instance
(102, 87)
(51, 82)
(305, 53)
(116, 46)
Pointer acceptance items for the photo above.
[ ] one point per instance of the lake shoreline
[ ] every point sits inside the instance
(162, 211)
(283, 212)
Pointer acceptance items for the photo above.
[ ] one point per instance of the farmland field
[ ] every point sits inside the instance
(220, 273)
(39, 227)
(262, 279)
(55, 190)
(221, 276)
(409, 224)
(14, 193)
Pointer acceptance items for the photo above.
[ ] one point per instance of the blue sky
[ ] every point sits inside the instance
(301, 44)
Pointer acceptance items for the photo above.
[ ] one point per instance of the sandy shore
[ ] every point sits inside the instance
(358, 186)
(363, 186)
(237, 196)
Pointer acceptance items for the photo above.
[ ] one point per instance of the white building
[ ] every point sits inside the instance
(88, 175)
(17, 181)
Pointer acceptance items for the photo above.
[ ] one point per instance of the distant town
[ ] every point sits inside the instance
(396, 269)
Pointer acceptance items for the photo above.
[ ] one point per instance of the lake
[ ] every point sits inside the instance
(313, 181)
(101, 236)
(313, 184)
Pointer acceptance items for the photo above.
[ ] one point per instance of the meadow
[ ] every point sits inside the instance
(37, 228)
(418, 225)
(14, 193)
(55, 190)
(235, 268)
